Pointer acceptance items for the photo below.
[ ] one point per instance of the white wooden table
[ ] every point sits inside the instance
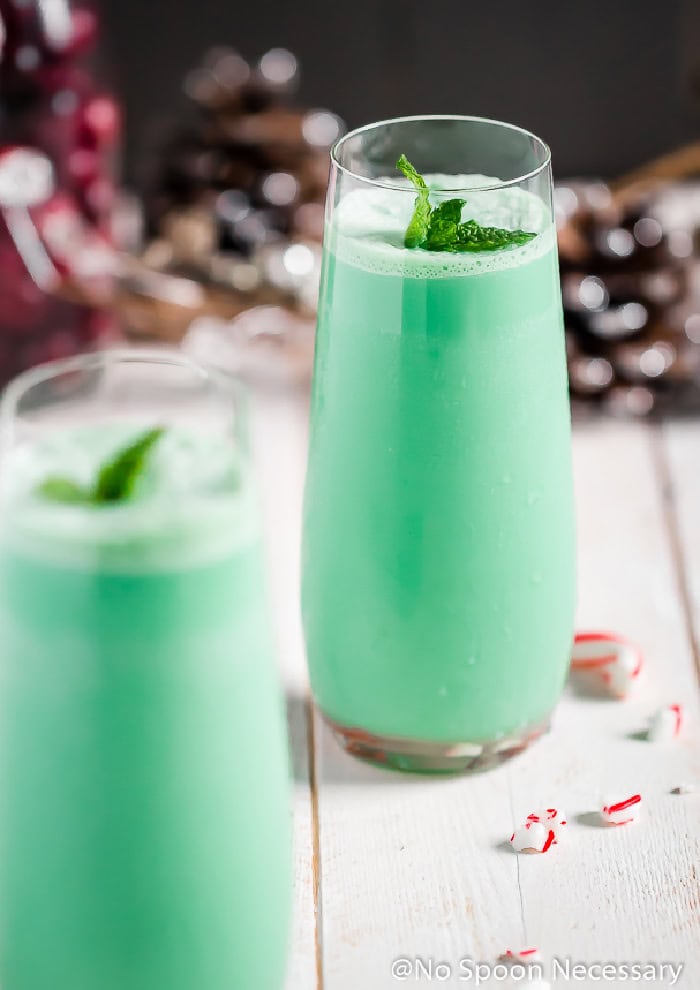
(392, 866)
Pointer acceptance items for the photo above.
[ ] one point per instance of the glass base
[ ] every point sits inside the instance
(419, 756)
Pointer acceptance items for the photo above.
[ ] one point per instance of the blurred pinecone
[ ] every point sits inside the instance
(237, 203)
(632, 312)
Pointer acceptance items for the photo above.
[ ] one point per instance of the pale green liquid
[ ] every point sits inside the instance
(144, 815)
(439, 550)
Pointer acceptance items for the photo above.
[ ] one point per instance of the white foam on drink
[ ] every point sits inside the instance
(369, 226)
(194, 504)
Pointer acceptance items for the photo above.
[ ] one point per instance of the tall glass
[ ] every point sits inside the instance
(438, 588)
(144, 795)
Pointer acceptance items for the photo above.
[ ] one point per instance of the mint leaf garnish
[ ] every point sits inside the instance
(116, 478)
(445, 221)
(417, 230)
(471, 236)
(442, 228)
(59, 489)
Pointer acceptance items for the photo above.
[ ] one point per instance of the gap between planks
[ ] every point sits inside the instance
(317, 873)
(664, 475)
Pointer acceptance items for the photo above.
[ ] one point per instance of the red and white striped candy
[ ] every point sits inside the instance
(614, 659)
(665, 724)
(621, 810)
(551, 818)
(523, 955)
(532, 837)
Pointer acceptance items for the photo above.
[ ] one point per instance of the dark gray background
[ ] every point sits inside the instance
(609, 83)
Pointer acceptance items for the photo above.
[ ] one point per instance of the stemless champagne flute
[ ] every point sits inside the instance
(144, 794)
(438, 586)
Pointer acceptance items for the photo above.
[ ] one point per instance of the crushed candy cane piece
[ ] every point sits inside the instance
(684, 789)
(524, 955)
(615, 659)
(621, 675)
(666, 723)
(532, 837)
(593, 650)
(552, 818)
(621, 811)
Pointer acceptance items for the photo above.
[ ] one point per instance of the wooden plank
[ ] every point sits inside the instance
(410, 867)
(421, 867)
(630, 893)
(279, 422)
(680, 453)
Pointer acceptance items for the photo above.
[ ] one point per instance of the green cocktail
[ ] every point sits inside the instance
(439, 558)
(144, 801)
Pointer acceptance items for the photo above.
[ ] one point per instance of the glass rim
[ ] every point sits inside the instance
(463, 118)
(18, 386)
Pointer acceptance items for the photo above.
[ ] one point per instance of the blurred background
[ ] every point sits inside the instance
(608, 85)
(163, 168)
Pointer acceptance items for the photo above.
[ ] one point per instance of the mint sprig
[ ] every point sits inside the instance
(116, 479)
(442, 228)
(59, 489)
(417, 230)
(471, 236)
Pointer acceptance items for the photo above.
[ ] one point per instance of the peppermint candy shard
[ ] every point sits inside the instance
(551, 818)
(612, 658)
(666, 724)
(532, 837)
(621, 811)
(523, 955)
